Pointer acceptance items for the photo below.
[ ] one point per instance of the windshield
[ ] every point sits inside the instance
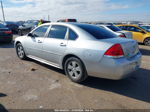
(146, 28)
(97, 32)
(114, 28)
(2, 26)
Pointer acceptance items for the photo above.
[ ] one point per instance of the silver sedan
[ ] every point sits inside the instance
(81, 50)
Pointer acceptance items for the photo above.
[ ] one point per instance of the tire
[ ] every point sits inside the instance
(20, 51)
(75, 70)
(147, 41)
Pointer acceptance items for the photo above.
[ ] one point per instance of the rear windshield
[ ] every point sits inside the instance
(2, 26)
(97, 32)
(114, 28)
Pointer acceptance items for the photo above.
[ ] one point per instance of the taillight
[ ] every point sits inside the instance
(8, 32)
(122, 36)
(115, 51)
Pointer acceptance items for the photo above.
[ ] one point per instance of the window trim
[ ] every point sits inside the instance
(39, 27)
(69, 32)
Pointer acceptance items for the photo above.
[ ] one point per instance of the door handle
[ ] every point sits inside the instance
(39, 41)
(62, 44)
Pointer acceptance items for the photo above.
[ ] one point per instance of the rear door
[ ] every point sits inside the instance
(55, 44)
(33, 45)
(137, 35)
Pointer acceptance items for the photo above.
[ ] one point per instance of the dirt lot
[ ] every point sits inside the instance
(32, 85)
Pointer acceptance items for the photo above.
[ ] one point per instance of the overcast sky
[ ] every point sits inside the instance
(83, 10)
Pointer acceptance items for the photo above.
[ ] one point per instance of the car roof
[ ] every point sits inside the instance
(127, 25)
(66, 23)
(104, 25)
(144, 25)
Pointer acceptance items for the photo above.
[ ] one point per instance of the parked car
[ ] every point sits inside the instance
(67, 20)
(13, 26)
(81, 50)
(117, 31)
(5, 34)
(146, 27)
(140, 34)
(20, 23)
(27, 27)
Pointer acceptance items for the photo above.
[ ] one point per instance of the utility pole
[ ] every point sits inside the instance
(48, 18)
(3, 11)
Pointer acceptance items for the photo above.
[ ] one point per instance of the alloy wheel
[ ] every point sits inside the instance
(74, 69)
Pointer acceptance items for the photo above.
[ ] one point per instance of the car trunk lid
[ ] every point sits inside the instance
(130, 47)
(127, 34)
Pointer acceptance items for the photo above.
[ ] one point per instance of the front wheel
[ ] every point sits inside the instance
(147, 41)
(20, 51)
(75, 70)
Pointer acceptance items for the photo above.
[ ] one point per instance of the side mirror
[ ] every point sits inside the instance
(30, 35)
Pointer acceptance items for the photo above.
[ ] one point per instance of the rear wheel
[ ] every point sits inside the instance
(20, 51)
(75, 70)
(147, 41)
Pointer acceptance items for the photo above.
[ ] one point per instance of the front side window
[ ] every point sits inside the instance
(40, 32)
(72, 35)
(57, 32)
(146, 28)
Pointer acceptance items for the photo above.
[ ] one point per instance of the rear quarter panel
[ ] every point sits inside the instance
(87, 50)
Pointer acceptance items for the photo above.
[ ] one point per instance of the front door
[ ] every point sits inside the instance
(34, 44)
(55, 44)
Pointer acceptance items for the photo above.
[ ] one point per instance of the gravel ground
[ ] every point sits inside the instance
(32, 85)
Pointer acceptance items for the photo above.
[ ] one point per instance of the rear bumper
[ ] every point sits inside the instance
(6, 39)
(115, 68)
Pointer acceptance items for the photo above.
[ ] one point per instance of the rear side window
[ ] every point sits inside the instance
(72, 35)
(114, 28)
(97, 32)
(40, 32)
(58, 32)
(123, 27)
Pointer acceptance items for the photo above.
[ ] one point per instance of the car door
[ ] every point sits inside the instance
(55, 44)
(136, 32)
(34, 42)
